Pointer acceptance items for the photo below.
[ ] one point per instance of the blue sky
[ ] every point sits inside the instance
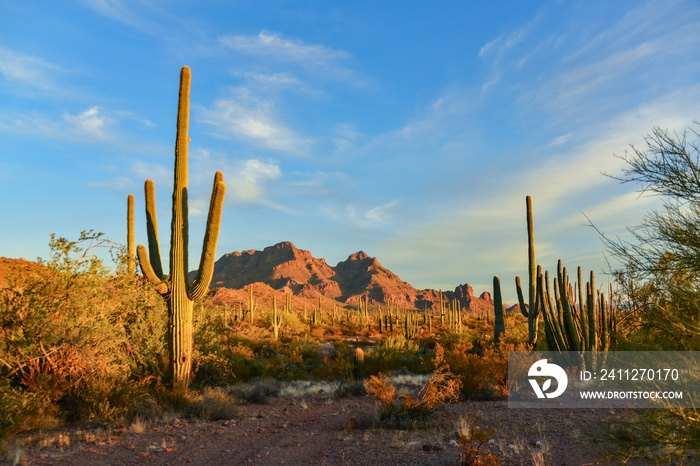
(409, 130)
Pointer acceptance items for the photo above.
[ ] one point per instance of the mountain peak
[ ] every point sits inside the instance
(358, 256)
(284, 266)
(282, 245)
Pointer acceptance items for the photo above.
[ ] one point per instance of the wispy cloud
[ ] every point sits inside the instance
(247, 180)
(270, 81)
(27, 69)
(479, 230)
(253, 119)
(275, 46)
(89, 126)
(323, 62)
(124, 12)
(360, 216)
(504, 42)
(90, 122)
(597, 67)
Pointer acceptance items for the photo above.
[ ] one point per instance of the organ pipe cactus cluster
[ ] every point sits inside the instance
(178, 292)
(571, 325)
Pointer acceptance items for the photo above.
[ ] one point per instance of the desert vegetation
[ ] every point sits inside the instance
(93, 345)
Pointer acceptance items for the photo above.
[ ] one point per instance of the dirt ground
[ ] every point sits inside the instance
(322, 431)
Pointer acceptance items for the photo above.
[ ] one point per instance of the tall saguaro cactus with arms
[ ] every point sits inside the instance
(531, 311)
(175, 288)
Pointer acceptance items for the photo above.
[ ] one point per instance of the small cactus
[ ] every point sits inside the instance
(359, 359)
(499, 327)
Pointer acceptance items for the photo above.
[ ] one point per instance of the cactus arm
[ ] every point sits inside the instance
(521, 300)
(604, 324)
(152, 229)
(542, 301)
(572, 336)
(148, 272)
(548, 312)
(200, 285)
(130, 239)
(592, 317)
(583, 314)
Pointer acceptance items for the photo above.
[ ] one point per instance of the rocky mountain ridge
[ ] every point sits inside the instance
(285, 267)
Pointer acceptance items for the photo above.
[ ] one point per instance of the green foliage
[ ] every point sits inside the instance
(666, 435)
(22, 410)
(660, 278)
(472, 444)
(75, 337)
(481, 366)
(212, 404)
(393, 353)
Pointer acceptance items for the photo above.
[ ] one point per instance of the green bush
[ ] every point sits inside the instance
(74, 336)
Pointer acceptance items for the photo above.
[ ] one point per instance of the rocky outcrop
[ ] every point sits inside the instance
(285, 267)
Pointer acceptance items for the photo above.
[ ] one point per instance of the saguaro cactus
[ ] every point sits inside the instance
(499, 326)
(175, 288)
(532, 311)
(276, 320)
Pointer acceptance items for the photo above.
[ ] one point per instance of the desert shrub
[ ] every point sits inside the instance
(212, 370)
(667, 435)
(256, 392)
(394, 353)
(472, 444)
(406, 411)
(212, 404)
(76, 335)
(22, 410)
(483, 373)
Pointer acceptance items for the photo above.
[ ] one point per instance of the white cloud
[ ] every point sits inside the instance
(273, 45)
(479, 230)
(28, 69)
(253, 120)
(344, 136)
(90, 122)
(122, 12)
(320, 61)
(361, 217)
(247, 181)
(270, 80)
